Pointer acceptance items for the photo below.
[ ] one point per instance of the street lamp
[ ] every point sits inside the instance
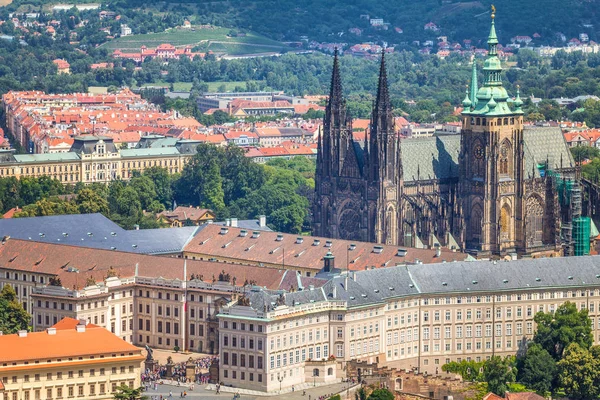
(280, 379)
(315, 374)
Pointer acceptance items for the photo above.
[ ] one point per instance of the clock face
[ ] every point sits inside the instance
(478, 151)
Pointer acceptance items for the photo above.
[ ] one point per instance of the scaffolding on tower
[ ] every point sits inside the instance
(577, 233)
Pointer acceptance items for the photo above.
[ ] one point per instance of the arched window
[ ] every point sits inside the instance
(483, 121)
(330, 371)
(478, 121)
(475, 223)
(391, 226)
(316, 372)
(505, 159)
(505, 216)
(398, 384)
(505, 121)
(499, 121)
(534, 221)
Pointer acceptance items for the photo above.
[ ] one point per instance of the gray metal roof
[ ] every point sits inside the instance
(150, 152)
(96, 231)
(46, 157)
(489, 276)
(374, 286)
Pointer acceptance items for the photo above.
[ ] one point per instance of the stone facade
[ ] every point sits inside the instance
(491, 191)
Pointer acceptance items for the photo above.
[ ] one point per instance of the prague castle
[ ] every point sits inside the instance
(500, 188)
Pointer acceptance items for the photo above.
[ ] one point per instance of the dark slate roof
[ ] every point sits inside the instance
(546, 143)
(391, 282)
(86, 144)
(105, 234)
(374, 286)
(486, 276)
(430, 157)
(437, 157)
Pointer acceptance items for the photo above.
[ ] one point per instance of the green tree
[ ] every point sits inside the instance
(89, 201)
(537, 369)
(124, 392)
(498, 372)
(163, 184)
(13, 317)
(581, 153)
(145, 189)
(579, 372)
(556, 331)
(381, 394)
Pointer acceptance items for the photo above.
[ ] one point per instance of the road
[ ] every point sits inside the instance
(200, 392)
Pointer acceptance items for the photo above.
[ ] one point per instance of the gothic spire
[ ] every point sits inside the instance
(335, 94)
(384, 148)
(474, 87)
(382, 103)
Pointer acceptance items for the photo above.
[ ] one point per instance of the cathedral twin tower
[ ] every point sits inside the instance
(469, 191)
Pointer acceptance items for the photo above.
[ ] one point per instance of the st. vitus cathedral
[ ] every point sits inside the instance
(498, 188)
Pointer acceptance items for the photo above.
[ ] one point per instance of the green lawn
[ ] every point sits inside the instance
(216, 38)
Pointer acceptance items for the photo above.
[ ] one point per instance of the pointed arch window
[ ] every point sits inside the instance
(505, 228)
(505, 159)
(534, 221)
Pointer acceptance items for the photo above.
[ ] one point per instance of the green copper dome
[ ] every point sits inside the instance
(491, 98)
(467, 102)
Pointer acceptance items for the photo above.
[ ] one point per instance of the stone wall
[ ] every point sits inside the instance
(408, 384)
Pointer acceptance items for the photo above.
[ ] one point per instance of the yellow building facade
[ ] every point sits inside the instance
(68, 360)
(95, 159)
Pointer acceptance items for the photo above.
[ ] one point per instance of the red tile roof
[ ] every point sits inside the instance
(523, 396)
(53, 259)
(63, 344)
(267, 249)
(71, 323)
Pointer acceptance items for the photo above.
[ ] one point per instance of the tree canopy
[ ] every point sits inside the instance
(13, 317)
(555, 331)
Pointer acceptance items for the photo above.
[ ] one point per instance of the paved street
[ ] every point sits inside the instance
(200, 392)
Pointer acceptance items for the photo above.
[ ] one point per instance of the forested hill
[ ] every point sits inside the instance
(324, 20)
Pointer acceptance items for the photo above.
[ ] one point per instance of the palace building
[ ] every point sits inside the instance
(274, 326)
(94, 158)
(500, 188)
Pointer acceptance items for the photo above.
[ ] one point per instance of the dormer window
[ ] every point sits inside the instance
(100, 148)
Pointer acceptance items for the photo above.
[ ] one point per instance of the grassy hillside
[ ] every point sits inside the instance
(215, 39)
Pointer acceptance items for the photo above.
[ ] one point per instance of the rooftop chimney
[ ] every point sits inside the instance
(80, 328)
(328, 262)
(262, 221)
(234, 222)
(51, 331)
(438, 252)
